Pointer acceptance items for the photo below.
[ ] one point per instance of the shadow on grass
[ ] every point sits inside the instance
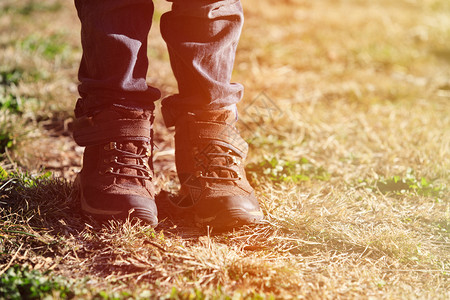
(36, 213)
(42, 214)
(40, 218)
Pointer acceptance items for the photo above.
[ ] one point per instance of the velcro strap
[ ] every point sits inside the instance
(225, 133)
(86, 132)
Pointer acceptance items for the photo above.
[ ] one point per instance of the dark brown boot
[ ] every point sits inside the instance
(210, 157)
(116, 179)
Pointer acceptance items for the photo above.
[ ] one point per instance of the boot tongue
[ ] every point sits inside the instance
(135, 148)
(132, 147)
(213, 164)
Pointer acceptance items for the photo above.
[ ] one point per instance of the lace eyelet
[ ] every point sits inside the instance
(110, 146)
(105, 171)
(145, 163)
(113, 159)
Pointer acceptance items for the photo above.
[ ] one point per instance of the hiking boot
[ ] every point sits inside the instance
(116, 179)
(209, 156)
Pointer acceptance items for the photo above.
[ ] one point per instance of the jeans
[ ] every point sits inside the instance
(201, 37)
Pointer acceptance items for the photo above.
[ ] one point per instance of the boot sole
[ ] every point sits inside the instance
(224, 220)
(230, 218)
(143, 214)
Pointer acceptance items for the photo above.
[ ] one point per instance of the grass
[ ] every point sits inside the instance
(18, 283)
(346, 113)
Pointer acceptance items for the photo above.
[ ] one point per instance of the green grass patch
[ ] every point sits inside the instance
(10, 130)
(16, 116)
(50, 47)
(16, 109)
(16, 104)
(3, 174)
(287, 171)
(19, 282)
(407, 184)
(10, 102)
(25, 180)
(6, 141)
(14, 76)
(31, 7)
(10, 77)
(22, 283)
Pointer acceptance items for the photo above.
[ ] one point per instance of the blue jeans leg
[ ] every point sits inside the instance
(114, 64)
(202, 36)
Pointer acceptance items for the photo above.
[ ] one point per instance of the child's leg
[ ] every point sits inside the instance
(115, 112)
(202, 37)
(114, 40)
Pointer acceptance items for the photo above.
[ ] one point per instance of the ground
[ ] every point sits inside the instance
(347, 115)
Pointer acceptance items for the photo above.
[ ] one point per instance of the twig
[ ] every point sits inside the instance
(11, 160)
(11, 261)
(156, 246)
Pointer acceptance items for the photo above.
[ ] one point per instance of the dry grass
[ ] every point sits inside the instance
(351, 161)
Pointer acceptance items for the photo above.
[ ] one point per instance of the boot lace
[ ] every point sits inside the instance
(115, 162)
(214, 160)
